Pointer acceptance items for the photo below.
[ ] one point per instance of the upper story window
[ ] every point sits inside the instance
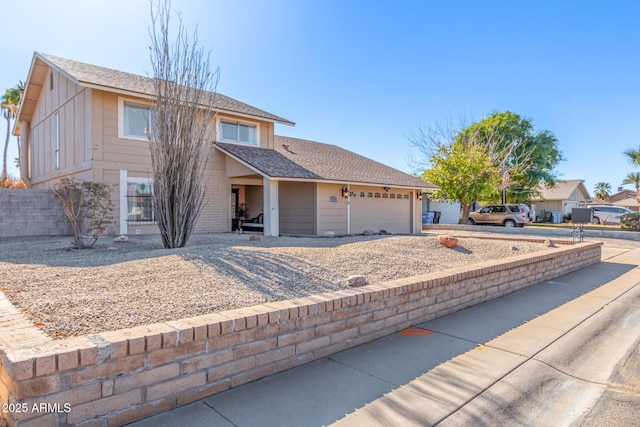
(135, 120)
(231, 131)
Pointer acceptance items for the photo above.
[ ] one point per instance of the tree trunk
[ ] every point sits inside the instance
(466, 209)
(6, 146)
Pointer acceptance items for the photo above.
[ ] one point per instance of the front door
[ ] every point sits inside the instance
(234, 209)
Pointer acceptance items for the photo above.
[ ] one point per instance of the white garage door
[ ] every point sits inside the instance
(380, 210)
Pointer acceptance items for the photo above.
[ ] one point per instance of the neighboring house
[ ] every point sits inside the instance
(563, 197)
(90, 122)
(629, 202)
(625, 198)
(622, 195)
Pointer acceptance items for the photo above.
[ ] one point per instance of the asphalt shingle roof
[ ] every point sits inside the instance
(109, 78)
(561, 191)
(299, 158)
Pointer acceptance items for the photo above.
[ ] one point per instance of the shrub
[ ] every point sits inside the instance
(630, 222)
(11, 182)
(88, 207)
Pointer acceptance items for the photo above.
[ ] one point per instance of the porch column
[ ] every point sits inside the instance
(271, 210)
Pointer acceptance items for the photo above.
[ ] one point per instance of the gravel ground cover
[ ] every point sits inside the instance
(70, 292)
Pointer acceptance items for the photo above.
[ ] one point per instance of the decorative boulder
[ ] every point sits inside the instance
(254, 238)
(356, 281)
(549, 243)
(121, 239)
(448, 241)
(329, 234)
(368, 233)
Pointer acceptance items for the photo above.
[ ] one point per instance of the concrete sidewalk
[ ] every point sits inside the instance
(425, 375)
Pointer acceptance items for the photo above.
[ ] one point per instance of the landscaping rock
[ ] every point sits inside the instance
(448, 241)
(515, 248)
(368, 233)
(121, 239)
(549, 243)
(383, 232)
(356, 281)
(329, 234)
(254, 238)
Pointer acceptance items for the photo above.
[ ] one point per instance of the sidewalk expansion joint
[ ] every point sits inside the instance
(533, 357)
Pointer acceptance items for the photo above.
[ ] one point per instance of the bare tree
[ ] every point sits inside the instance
(181, 126)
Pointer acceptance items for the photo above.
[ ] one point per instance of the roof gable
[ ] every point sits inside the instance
(111, 80)
(563, 190)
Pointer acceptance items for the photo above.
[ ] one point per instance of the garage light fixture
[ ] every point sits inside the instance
(345, 191)
(385, 188)
(419, 194)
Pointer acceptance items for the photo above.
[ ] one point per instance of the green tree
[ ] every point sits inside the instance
(464, 172)
(10, 104)
(468, 164)
(602, 190)
(633, 178)
(539, 148)
(634, 156)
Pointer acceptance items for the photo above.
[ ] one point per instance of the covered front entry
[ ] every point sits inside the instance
(376, 209)
(247, 206)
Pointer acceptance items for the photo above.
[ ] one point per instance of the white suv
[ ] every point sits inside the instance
(608, 214)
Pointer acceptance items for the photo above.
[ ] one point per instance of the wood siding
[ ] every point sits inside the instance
(70, 103)
(297, 206)
(331, 216)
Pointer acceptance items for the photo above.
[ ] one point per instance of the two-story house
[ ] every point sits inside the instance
(91, 122)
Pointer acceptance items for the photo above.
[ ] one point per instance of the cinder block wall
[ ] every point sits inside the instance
(31, 213)
(117, 377)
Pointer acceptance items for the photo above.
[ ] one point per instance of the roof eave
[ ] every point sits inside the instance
(151, 97)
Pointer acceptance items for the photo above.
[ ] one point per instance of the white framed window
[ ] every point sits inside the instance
(57, 141)
(238, 132)
(134, 119)
(139, 201)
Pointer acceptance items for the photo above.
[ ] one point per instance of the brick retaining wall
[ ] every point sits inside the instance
(113, 378)
(31, 213)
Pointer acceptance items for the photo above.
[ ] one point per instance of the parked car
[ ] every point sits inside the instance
(500, 214)
(530, 213)
(608, 214)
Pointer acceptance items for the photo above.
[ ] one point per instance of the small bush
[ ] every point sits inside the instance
(88, 207)
(630, 222)
(11, 182)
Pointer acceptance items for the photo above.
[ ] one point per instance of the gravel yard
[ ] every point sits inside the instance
(118, 285)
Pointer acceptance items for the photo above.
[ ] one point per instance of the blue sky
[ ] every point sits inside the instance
(364, 74)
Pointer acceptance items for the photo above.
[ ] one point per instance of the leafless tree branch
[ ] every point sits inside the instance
(182, 126)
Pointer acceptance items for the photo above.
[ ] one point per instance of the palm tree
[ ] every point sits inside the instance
(10, 104)
(633, 178)
(602, 190)
(634, 156)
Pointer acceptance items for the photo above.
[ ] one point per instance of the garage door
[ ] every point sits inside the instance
(380, 210)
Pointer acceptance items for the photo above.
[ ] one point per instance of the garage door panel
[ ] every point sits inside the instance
(378, 213)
